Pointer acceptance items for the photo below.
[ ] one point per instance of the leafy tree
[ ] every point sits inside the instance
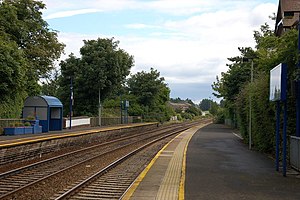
(190, 102)
(177, 100)
(28, 49)
(12, 78)
(148, 87)
(187, 115)
(194, 110)
(234, 86)
(22, 21)
(151, 93)
(103, 66)
(51, 84)
(205, 104)
(214, 107)
(238, 74)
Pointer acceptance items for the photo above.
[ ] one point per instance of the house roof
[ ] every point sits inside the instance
(290, 5)
(285, 6)
(182, 106)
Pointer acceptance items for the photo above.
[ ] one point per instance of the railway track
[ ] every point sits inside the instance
(112, 181)
(43, 149)
(17, 181)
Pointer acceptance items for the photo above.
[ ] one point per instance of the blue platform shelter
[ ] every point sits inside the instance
(47, 109)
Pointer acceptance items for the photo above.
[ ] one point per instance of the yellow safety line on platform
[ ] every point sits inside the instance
(142, 175)
(182, 180)
(65, 135)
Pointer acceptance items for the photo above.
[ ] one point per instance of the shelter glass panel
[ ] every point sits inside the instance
(41, 113)
(55, 113)
(28, 111)
(35, 101)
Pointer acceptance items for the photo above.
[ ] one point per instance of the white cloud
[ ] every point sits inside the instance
(58, 6)
(74, 42)
(167, 6)
(71, 13)
(187, 50)
(140, 26)
(173, 7)
(179, 7)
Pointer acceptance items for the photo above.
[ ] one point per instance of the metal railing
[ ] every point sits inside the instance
(105, 121)
(295, 152)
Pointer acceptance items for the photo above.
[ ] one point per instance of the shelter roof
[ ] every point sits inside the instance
(52, 101)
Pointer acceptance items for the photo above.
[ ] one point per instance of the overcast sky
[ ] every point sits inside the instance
(187, 41)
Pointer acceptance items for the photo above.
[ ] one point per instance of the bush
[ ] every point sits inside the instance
(27, 124)
(30, 117)
(187, 116)
(220, 116)
(263, 120)
(179, 118)
(16, 124)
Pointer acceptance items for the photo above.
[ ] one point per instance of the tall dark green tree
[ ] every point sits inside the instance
(236, 89)
(205, 104)
(29, 48)
(50, 85)
(22, 21)
(151, 93)
(148, 87)
(12, 78)
(103, 66)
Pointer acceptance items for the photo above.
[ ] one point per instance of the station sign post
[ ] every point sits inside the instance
(278, 94)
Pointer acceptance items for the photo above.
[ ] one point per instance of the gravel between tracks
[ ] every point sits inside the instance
(17, 164)
(50, 187)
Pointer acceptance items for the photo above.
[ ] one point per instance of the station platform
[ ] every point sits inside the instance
(211, 162)
(15, 140)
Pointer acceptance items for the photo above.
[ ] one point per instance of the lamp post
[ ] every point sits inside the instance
(99, 108)
(298, 86)
(71, 100)
(250, 109)
(250, 103)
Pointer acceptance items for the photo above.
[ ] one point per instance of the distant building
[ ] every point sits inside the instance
(287, 16)
(180, 106)
(204, 113)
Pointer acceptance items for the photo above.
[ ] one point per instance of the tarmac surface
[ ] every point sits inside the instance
(220, 166)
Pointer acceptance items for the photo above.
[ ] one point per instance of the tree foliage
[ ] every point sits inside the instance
(12, 78)
(50, 85)
(151, 95)
(28, 49)
(205, 104)
(148, 87)
(195, 111)
(103, 66)
(22, 21)
(237, 90)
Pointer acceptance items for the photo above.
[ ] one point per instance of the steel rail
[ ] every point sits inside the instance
(62, 170)
(113, 165)
(37, 164)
